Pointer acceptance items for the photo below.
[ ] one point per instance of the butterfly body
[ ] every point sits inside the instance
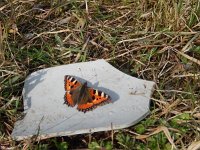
(85, 97)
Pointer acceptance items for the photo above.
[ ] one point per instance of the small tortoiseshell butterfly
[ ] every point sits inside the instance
(85, 97)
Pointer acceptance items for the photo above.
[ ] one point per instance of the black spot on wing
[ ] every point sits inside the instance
(67, 77)
(73, 79)
(99, 93)
(94, 91)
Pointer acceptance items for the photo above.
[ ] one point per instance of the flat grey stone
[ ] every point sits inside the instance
(47, 116)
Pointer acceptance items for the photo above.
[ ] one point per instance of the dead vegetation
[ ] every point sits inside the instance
(153, 40)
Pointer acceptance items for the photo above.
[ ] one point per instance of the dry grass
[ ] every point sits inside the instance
(154, 40)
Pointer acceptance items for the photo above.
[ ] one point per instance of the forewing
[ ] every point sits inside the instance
(71, 83)
(99, 97)
(72, 87)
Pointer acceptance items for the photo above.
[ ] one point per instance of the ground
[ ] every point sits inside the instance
(152, 40)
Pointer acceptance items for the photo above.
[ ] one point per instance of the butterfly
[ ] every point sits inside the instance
(85, 97)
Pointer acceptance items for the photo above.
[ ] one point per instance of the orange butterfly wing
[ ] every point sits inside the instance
(70, 84)
(97, 98)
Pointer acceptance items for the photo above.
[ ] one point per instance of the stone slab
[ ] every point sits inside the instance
(47, 116)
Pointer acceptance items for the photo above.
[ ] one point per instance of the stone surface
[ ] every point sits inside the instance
(47, 116)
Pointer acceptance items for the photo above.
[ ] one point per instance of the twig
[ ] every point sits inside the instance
(187, 75)
(187, 56)
(83, 48)
(134, 40)
(52, 32)
(86, 7)
(124, 53)
(185, 48)
(176, 91)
